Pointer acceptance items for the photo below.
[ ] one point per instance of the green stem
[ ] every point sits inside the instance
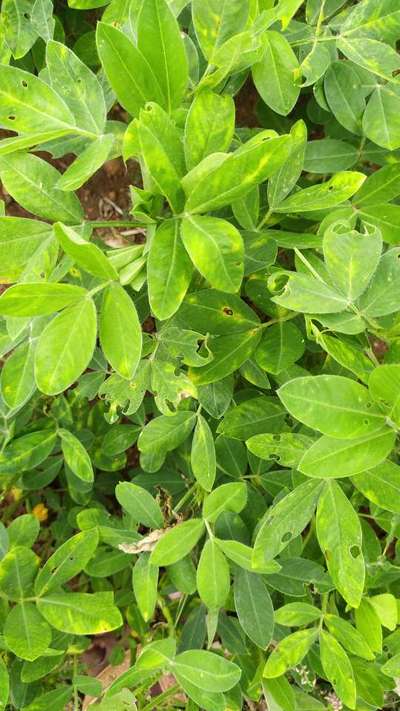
(184, 498)
(112, 223)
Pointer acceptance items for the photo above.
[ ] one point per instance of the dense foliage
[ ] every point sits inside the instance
(199, 419)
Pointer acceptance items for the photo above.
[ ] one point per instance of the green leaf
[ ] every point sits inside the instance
(65, 347)
(374, 56)
(329, 155)
(369, 626)
(392, 666)
(84, 253)
(27, 452)
(380, 120)
(145, 585)
(26, 633)
(274, 75)
(297, 614)
(343, 91)
(325, 196)
(42, 19)
(80, 613)
(167, 432)
(281, 183)
(280, 695)
(23, 531)
(17, 378)
(160, 41)
(257, 415)
(202, 456)
(32, 183)
(340, 537)
(127, 70)
(225, 181)
(289, 517)
(17, 571)
(20, 240)
(227, 497)
(253, 606)
(120, 331)
(76, 456)
(78, 85)
(19, 33)
(28, 104)
(241, 554)
(169, 270)
(281, 345)
(382, 296)
(206, 670)
(287, 448)
(139, 504)
(66, 562)
(177, 542)
(380, 187)
(57, 700)
(332, 404)
(209, 126)
(4, 685)
(209, 311)
(348, 636)
(381, 485)
(337, 668)
(214, 22)
(230, 352)
(351, 258)
(38, 299)
(335, 458)
(216, 249)
(213, 578)
(162, 152)
(87, 163)
(306, 294)
(289, 652)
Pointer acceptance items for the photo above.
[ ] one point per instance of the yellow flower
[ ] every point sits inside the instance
(40, 512)
(16, 493)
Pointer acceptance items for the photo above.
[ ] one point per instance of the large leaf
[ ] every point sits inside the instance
(339, 535)
(216, 249)
(80, 613)
(32, 183)
(161, 44)
(254, 607)
(120, 331)
(169, 270)
(65, 347)
(220, 183)
(285, 520)
(332, 404)
(274, 75)
(127, 70)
